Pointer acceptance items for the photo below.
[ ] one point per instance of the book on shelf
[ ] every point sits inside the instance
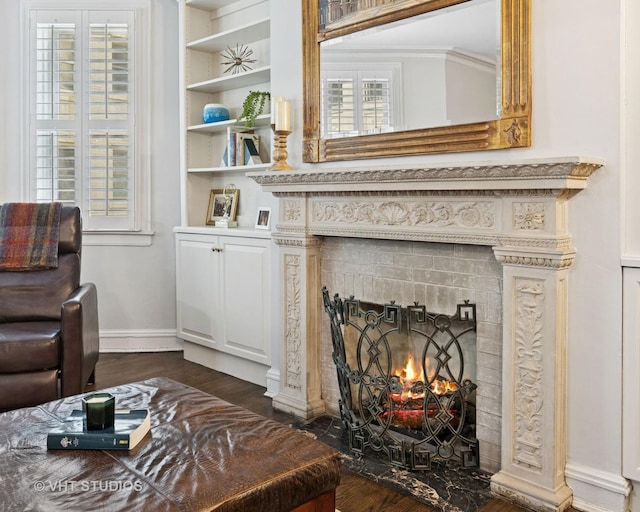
(130, 427)
(247, 148)
(231, 148)
(242, 148)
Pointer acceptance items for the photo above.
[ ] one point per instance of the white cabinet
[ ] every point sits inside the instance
(223, 290)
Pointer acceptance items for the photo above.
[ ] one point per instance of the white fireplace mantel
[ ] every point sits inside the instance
(569, 173)
(519, 208)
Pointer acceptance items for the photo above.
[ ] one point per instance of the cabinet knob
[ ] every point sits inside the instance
(216, 249)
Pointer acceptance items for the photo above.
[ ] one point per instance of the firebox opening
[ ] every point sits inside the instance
(407, 381)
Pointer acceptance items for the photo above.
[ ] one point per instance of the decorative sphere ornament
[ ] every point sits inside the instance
(214, 112)
(238, 60)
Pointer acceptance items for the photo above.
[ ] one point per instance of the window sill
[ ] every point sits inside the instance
(132, 238)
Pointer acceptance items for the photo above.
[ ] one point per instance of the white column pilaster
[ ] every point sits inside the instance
(300, 386)
(534, 386)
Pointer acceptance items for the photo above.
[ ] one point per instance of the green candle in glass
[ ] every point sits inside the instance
(99, 411)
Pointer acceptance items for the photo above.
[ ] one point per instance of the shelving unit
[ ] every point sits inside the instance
(248, 33)
(225, 83)
(221, 126)
(217, 267)
(208, 28)
(235, 169)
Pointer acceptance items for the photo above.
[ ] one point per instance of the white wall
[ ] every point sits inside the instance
(576, 111)
(136, 285)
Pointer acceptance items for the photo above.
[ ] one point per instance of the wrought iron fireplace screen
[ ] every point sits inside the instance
(403, 384)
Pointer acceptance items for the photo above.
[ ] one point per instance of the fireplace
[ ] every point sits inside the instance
(439, 276)
(519, 210)
(407, 380)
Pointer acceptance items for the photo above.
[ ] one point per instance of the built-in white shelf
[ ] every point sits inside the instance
(225, 83)
(207, 5)
(212, 230)
(261, 120)
(235, 168)
(249, 33)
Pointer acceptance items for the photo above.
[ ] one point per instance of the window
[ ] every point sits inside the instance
(357, 102)
(87, 98)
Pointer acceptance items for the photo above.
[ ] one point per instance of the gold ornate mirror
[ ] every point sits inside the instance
(341, 84)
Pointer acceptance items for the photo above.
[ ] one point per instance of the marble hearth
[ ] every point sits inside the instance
(520, 210)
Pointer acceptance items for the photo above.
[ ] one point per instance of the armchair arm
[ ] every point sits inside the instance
(80, 340)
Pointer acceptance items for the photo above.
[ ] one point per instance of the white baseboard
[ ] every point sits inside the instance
(273, 382)
(229, 364)
(143, 340)
(597, 491)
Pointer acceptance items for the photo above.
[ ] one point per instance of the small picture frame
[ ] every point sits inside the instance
(263, 218)
(219, 201)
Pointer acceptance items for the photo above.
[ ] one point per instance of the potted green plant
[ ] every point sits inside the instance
(252, 106)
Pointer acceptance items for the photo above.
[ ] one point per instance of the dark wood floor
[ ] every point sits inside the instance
(355, 494)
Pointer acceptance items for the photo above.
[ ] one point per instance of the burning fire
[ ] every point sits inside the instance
(408, 410)
(409, 376)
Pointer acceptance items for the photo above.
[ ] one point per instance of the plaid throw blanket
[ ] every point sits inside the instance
(29, 234)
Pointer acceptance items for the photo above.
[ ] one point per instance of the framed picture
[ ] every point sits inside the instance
(263, 219)
(219, 203)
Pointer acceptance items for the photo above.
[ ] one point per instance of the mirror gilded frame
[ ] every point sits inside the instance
(511, 130)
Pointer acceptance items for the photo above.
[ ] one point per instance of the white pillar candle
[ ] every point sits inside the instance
(283, 117)
(274, 108)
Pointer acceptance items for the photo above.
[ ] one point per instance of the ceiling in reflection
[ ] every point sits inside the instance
(477, 30)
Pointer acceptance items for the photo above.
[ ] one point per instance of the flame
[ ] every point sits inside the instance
(442, 386)
(409, 376)
(408, 405)
(409, 373)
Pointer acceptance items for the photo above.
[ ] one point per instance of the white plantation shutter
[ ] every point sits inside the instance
(110, 143)
(340, 106)
(56, 166)
(55, 111)
(376, 105)
(83, 138)
(356, 102)
(109, 71)
(109, 173)
(55, 78)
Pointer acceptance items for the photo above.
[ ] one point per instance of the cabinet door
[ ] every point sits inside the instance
(244, 304)
(197, 290)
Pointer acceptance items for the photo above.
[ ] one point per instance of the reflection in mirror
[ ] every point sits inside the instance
(459, 81)
(440, 68)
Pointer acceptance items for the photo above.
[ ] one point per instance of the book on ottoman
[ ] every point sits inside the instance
(130, 427)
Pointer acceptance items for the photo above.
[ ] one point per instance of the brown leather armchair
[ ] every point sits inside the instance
(48, 326)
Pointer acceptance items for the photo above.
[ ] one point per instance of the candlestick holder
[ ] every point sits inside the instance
(280, 152)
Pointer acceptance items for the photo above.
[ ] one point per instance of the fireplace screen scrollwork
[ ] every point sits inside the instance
(405, 383)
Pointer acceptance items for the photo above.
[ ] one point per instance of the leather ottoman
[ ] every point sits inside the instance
(202, 454)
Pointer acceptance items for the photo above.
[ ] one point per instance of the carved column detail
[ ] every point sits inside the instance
(293, 334)
(534, 378)
(528, 392)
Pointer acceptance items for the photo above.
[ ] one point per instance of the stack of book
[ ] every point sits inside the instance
(243, 148)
